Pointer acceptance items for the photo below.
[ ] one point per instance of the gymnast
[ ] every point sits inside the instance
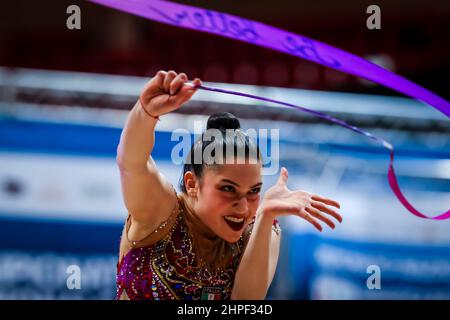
(218, 238)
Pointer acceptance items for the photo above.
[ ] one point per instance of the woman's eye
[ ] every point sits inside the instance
(227, 188)
(255, 191)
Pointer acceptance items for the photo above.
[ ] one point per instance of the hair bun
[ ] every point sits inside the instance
(223, 121)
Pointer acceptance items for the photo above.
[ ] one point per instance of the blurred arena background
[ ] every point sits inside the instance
(65, 94)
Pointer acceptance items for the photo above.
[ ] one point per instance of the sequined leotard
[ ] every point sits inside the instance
(168, 270)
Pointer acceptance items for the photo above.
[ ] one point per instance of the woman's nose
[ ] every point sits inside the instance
(242, 205)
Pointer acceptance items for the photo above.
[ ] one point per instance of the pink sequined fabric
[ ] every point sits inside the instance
(168, 270)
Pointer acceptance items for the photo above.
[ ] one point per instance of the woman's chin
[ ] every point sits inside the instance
(229, 232)
(231, 236)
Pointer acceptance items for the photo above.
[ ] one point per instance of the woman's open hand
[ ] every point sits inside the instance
(166, 92)
(279, 200)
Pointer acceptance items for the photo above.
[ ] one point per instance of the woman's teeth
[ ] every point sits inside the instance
(233, 219)
(234, 223)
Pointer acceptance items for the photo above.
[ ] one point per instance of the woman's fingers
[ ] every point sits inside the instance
(327, 201)
(324, 208)
(305, 215)
(185, 92)
(197, 82)
(316, 213)
(158, 79)
(168, 80)
(154, 85)
(177, 83)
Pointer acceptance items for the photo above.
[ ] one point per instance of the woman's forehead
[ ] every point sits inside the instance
(248, 174)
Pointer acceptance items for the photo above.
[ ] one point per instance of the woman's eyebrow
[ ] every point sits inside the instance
(237, 185)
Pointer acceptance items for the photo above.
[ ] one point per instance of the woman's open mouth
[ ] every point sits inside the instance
(235, 223)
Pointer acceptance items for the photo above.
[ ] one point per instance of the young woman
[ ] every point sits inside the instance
(216, 239)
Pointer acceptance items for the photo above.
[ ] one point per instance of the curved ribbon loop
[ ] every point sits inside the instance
(391, 173)
(263, 35)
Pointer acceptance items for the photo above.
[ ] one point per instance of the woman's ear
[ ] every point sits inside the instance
(190, 182)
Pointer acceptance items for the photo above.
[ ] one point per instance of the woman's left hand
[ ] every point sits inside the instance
(279, 200)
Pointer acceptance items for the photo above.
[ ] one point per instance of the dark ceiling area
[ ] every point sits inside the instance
(413, 40)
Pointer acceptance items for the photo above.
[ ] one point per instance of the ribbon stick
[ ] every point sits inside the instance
(263, 35)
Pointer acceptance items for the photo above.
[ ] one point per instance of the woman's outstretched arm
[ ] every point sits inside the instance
(259, 261)
(147, 196)
(260, 258)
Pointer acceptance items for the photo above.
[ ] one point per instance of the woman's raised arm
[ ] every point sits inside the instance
(148, 197)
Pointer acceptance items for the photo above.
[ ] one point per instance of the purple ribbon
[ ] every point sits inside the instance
(263, 35)
(391, 174)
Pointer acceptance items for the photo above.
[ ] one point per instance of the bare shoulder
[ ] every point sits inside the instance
(163, 210)
(136, 234)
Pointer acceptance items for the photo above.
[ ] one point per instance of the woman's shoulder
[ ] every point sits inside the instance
(154, 236)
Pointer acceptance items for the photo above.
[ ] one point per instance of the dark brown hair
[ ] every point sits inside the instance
(239, 141)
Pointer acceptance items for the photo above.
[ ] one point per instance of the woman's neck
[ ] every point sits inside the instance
(209, 247)
(199, 226)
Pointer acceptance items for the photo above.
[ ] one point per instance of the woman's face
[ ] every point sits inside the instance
(228, 198)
